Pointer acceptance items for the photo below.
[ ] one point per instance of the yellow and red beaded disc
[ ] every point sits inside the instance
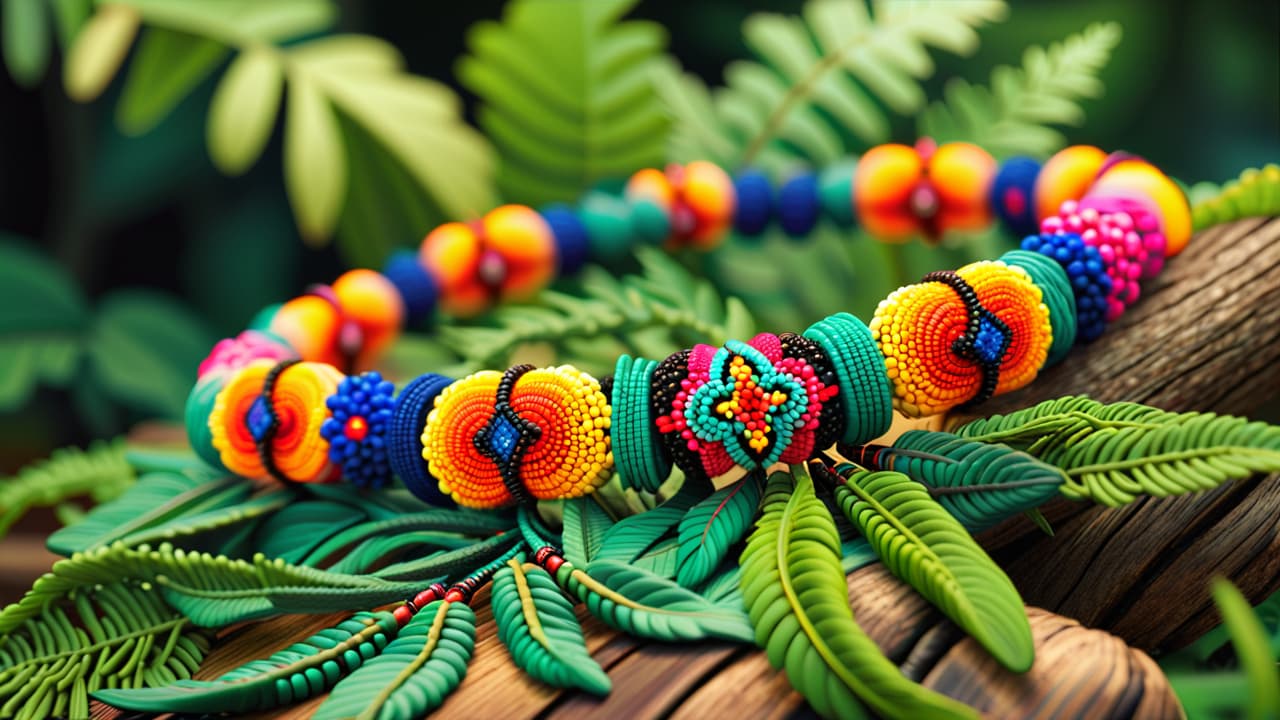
(551, 435)
(297, 399)
(918, 326)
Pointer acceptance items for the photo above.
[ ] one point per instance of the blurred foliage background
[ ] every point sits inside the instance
(125, 251)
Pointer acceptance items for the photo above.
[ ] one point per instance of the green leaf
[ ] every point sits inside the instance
(297, 530)
(713, 526)
(25, 40)
(43, 317)
(1114, 453)
(315, 164)
(295, 673)
(1010, 116)
(585, 525)
(116, 635)
(215, 604)
(416, 120)
(631, 536)
(145, 349)
(537, 625)
(243, 110)
(925, 547)
(565, 95)
(415, 673)
(815, 81)
(69, 16)
(798, 602)
(1255, 193)
(166, 67)
(646, 605)
(99, 472)
(1257, 659)
(99, 50)
(238, 21)
(457, 522)
(979, 484)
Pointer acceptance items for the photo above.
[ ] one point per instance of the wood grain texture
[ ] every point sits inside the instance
(1205, 336)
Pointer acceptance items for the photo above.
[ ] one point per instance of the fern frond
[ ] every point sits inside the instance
(817, 80)
(118, 562)
(295, 673)
(101, 472)
(652, 314)
(1256, 193)
(1113, 453)
(798, 601)
(925, 547)
(116, 635)
(566, 96)
(537, 625)
(1012, 116)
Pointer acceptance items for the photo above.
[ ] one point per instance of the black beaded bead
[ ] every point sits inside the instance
(831, 420)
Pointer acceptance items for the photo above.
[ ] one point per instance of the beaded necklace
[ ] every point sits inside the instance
(272, 403)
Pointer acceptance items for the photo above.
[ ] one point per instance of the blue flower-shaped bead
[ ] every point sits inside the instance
(357, 430)
(1088, 276)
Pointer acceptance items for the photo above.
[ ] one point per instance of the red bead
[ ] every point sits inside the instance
(425, 597)
(455, 595)
(402, 615)
(356, 429)
(553, 563)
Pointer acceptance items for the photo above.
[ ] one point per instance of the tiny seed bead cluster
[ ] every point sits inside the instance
(493, 439)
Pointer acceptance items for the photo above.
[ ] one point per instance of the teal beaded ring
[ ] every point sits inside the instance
(1055, 286)
(865, 390)
(196, 417)
(640, 459)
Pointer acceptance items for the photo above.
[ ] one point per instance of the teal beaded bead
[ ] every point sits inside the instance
(864, 382)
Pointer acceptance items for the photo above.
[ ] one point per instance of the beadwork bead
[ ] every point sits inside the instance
(866, 395)
(199, 407)
(417, 288)
(1055, 287)
(698, 197)
(570, 237)
(1066, 176)
(835, 192)
(798, 205)
(361, 410)
(372, 302)
(234, 353)
(1088, 276)
(1138, 180)
(642, 461)
(755, 202)
(1013, 195)
(404, 437)
(310, 324)
(607, 219)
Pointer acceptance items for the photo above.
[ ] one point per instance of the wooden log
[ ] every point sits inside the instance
(1204, 337)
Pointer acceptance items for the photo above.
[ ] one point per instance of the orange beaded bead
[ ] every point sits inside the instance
(1066, 176)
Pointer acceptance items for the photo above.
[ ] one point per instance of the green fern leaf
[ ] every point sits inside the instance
(565, 95)
(295, 673)
(632, 536)
(662, 559)
(116, 635)
(650, 315)
(1012, 116)
(714, 525)
(299, 529)
(795, 593)
(927, 548)
(536, 623)
(816, 81)
(646, 605)
(1114, 453)
(452, 562)
(215, 605)
(980, 484)
(1256, 193)
(379, 548)
(100, 472)
(414, 674)
(585, 524)
(443, 528)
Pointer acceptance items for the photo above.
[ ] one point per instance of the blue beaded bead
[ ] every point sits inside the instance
(416, 286)
(1012, 194)
(754, 202)
(799, 205)
(363, 458)
(1087, 274)
(404, 437)
(570, 237)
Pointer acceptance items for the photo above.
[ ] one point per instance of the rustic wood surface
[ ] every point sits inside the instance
(1205, 337)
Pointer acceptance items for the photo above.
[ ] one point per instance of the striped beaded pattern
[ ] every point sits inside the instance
(866, 395)
(1055, 288)
(404, 437)
(552, 425)
(643, 463)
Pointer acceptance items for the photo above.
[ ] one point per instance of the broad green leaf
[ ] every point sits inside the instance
(166, 67)
(264, 684)
(99, 49)
(415, 673)
(43, 318)
(924, 546)
(631, 536)
(244, 109)
(796, 596)
(25, 40)
(69, 16)
(238, 21)
(537, 625)
(1256, 657)
(713, 526)
(641, 603)
(300, 528)
(315, 164)
(566, 95)
(145, 349)
(585, 525)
